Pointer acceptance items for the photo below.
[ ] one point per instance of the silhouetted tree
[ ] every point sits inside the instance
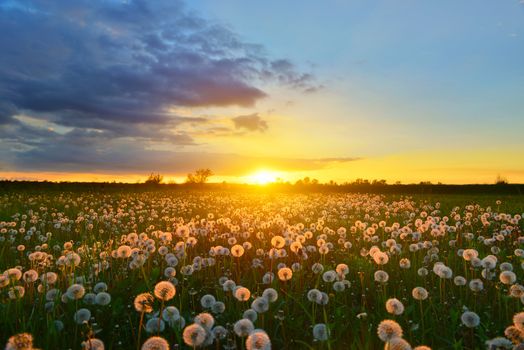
(154, 179)
(361, 182)
(199, 177)
(378, 182)
(501, 180)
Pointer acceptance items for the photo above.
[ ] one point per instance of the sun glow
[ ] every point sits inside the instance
(263, 177)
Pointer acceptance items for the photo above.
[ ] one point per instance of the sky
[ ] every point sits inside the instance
(404, 90)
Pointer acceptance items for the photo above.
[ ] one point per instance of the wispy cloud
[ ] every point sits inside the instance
(125, 157)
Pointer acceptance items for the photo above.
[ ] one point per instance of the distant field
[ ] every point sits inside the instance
(261, 269)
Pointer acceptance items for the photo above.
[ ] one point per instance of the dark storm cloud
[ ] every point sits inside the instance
(251, 122)
(108, 70)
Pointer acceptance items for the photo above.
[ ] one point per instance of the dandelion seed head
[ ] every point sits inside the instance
(243, 327)
(470, 319)
(389, 329)
(155, 343)
(164, 290)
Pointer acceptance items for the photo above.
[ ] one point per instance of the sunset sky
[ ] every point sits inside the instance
(399, 90)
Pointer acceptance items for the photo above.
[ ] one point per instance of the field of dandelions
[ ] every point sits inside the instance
(187, 270)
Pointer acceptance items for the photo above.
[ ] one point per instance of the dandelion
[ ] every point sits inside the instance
(470, 319)
(381, 258)
(155, 343)
(13, 274)
(329, 276)
(339, 286)
(498, 343)
(285, 274)
(52, 294)
(82, 315)
(155, 325)
(242, 294)
(22, 341)
(243, 327)
(342, 269)
(506, 266)
(4, 281)
(270, 294)
(30, 276)
(419, 293)
(514, 334)
(518, 321)
(476, 285)
(278, 242)
(317, 268)
(205, 319)
(237, 251)
(260, 305)
(219, 332)
(516, 290)
(207, 301)
(169, 272)
(103, 298)
(144, 303)
(381, 276)
(75, 292)
(394, 306)
(362, 316)
(170, 314)
(320, 332)
(405, 263)
(389, 329)
(507, 277)
(89, 298)
(422, 272)
(250, 314)
(229, 286)
(218, 307)
(194, 335)
(16, 292)
(314, 295)
(49, 278)
(459, 281)
(398, 344)
(100, 287)
(165, 290)
(469, 254)
(93, 344)
(258, 340)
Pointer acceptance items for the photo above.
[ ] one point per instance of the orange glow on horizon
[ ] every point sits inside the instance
(446, 166)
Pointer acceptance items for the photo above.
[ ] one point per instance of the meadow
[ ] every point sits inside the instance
(260, 270)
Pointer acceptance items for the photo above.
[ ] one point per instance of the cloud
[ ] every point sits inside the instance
(125, 157)
(104, 77)
(129, 65)
(251, 122)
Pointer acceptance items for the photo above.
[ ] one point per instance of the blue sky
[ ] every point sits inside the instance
(467, 54)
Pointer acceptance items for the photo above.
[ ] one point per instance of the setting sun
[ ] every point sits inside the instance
(262, 177)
